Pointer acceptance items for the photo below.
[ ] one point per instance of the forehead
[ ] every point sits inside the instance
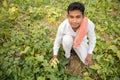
(75, 12)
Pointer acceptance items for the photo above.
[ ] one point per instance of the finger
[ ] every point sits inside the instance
(90, 62)
(86, 61)
(56, 60)
(51, 60)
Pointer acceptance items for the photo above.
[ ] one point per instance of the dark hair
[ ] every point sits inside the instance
(76, 6)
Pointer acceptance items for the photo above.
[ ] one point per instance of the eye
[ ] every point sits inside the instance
(71, 17)
(78, 16)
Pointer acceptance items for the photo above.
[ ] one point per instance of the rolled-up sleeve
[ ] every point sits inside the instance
(91, 37)
(58, 40)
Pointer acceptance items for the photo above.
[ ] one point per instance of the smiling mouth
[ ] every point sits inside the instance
(76, 25)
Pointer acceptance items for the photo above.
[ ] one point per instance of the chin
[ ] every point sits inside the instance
(75, 27)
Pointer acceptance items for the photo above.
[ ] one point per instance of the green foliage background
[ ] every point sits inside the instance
(27, 31)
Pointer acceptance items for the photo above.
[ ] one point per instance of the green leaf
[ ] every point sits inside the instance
(32, 52)
(118, 54)
(113, 48)
(26, 49)
(52, 77)
(99, 57)
(39, 58)
(95, 67)
(40, 78)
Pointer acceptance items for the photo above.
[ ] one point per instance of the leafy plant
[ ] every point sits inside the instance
(26, 43)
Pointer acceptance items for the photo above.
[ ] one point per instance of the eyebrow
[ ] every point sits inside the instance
(78, 16)
(75, 16)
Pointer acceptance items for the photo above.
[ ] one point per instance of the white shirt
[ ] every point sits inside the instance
(66, 29)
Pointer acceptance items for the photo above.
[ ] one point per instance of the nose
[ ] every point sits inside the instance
(74, 20)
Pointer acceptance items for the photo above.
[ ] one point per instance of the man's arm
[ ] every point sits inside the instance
(57, 42)
(91, 37)
(92, 42)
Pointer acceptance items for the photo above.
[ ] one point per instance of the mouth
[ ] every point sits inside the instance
(75, 25)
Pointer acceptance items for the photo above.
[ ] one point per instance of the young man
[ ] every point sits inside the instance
(69, 30)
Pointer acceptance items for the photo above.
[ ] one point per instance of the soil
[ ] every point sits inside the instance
(76, 66)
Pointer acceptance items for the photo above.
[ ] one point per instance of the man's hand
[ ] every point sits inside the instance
(54, 61)
(55, 56)
(88, 60)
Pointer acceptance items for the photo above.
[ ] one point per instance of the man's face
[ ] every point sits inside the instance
(75, 18)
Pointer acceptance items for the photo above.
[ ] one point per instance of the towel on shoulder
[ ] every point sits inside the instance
(82, 31)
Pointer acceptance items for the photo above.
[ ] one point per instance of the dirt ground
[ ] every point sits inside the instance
(76, 66)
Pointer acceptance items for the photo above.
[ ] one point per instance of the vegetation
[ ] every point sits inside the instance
(27, 31)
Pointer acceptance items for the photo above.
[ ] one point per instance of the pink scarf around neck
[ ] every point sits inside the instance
(82, 31)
